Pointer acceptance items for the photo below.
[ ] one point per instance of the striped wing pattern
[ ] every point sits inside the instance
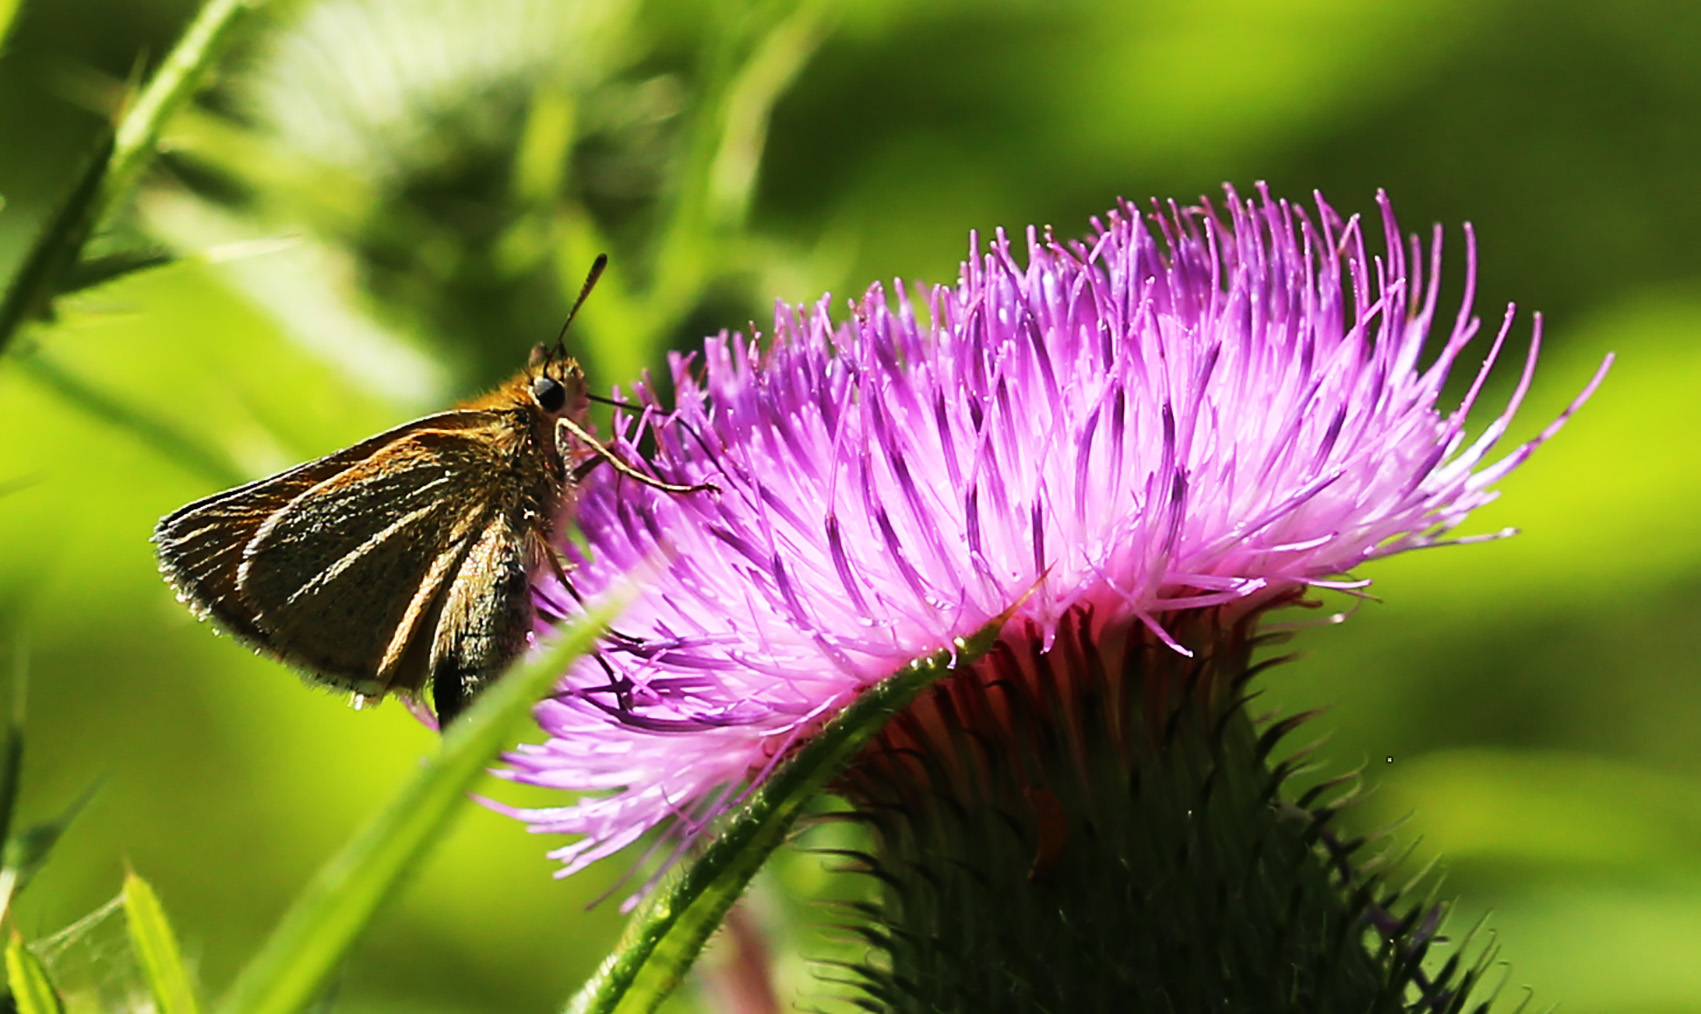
(401, 559)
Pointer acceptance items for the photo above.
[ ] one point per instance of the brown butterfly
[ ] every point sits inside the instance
(406, 559)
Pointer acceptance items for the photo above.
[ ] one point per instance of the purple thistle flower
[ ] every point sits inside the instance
(1189, 412)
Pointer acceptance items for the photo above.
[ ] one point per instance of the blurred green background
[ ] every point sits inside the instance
(381, 206)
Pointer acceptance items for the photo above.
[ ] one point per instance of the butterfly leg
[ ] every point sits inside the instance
(551, 561)
(604, 453)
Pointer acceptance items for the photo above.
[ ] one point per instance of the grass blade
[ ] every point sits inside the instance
(30, 292)
(93, 272)
(178, 78)
(114, 166)
(11, 774)
(157, 953)
(12, 751)
(774, 63)
(8, 14)
(670, 930)
(294, 965)
(32, 990)
(26, 852)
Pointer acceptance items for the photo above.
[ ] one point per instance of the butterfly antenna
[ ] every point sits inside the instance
(611, 403)
(584, 290)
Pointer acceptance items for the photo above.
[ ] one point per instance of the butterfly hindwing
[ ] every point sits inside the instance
(485, 615)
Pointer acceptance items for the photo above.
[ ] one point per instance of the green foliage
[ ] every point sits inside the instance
(27, 851)
(22, 854)
(312, 940)
(12, 757)
(183, 71)
(97, 270)
(8, 14)
(108, 174)
(30, 292)
(468, 175)
(32, 991)
(161, 960)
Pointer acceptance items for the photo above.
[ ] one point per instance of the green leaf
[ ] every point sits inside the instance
(32, 991)
(750, 55)
(157, 953)
(185, 67)
(8, 15)
(294, 965)
(113, 167)
(669, 932)
(26, 852)
(30, 292)
(774, 63)
(95, 271)
(12, 753)
(21, 855)
(11, 879)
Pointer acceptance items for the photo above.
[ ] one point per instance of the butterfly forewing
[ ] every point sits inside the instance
(201, 545)
(306, 581)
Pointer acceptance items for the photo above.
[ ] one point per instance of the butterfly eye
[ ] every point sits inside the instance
(549, 393)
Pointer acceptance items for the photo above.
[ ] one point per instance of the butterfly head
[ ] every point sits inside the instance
(557, 383)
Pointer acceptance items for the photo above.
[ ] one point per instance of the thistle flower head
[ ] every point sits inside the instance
(1193, 409)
